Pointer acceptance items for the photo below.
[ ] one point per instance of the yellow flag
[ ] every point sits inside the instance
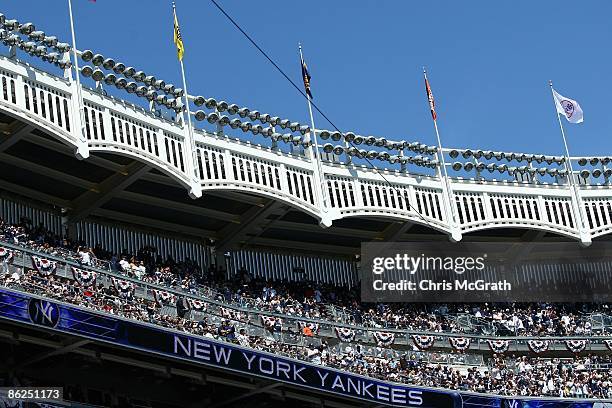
(178, 39)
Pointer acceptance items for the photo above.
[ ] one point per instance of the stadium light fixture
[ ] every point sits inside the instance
(129, 72)
(109, 64)
(87, 55)
(141, 91)
(50, 41)
(210, 103)
(11, 25)
(233, 109)
(27, 28)
(36, 35)
(151, 95)
(139, 76)
(149, 80)
(159, 84)
(213, 118)
(254, 115)
(131, 87)
(110, 79)
(87, 71)
(244, 112)
(97, 75)
(63, 47)
(222, 106)
(200, 115)
(304, 129)
(97, 60)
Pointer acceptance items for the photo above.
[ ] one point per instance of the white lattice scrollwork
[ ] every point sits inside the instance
(47, 102)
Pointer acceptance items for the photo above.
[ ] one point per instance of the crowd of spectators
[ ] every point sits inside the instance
(315, 300)
(582, 377)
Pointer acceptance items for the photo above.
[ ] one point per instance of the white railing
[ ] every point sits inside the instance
(224, 163)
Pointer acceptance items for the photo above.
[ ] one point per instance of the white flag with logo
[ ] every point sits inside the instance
(568, 108)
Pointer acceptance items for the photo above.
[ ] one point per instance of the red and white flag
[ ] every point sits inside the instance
(430, 98)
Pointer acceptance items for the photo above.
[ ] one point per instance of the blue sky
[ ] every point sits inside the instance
(489, 62)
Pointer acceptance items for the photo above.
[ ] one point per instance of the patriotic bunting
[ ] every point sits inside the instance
(6, 255)
(345, 334)
(575, 346)
(83, 277)
(125, 288)
(460, 343)
(45, 267)
(198, 305)
(423, 342)
(271, 321)
(384, 339)
(499, 346)
(538, 346)
(163, 297)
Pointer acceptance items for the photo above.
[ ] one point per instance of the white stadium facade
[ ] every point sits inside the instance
(111, 160)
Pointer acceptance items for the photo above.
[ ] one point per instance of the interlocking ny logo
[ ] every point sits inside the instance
(43, 312)
(513, 404)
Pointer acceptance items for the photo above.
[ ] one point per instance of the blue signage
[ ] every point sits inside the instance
(29, 309)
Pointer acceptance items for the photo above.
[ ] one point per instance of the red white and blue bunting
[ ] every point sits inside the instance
(423, 342)
(198, 305)
(232, 314)
(499, 346)
(314, 327)
(271, 321)
(384, 339)
(83, 277)
(6, 255)
(45, 267)
(608, 344)
(345, 334)
(125, 288)
(163, 297)
(575, 346)
(460, 343)
(538, 346)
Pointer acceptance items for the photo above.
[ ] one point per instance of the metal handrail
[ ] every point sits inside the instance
(205, 295)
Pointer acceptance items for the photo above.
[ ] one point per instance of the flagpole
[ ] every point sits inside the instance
(316, 142)
(568, 166)
(186, 96)
(444, 174)
(77, 71)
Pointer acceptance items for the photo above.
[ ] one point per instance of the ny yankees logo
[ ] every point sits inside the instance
(43, 312)
(568, 107)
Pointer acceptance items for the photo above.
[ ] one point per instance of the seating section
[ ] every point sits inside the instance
(186, 297)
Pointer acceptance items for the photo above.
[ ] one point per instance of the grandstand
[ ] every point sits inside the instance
(136, 274)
